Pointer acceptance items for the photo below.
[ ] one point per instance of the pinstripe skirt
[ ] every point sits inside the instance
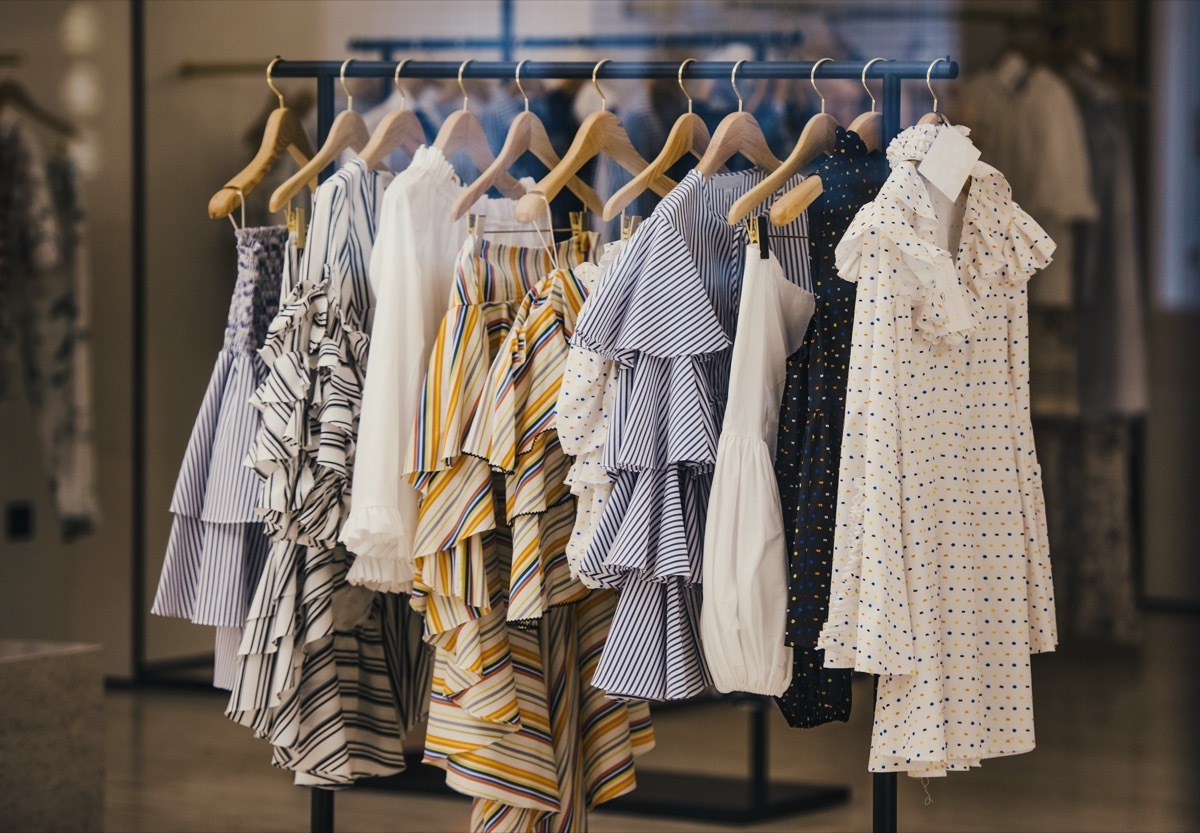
(217, 545)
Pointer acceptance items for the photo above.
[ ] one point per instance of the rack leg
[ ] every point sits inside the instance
(759, 781)
(891, 108)
(321, 820)
(883, 802)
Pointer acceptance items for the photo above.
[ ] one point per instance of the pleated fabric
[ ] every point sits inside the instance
(217, 544)
(666, 315)
(331, 674)
(513, 719)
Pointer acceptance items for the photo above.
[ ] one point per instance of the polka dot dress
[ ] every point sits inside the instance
(941, 581)
(810, 434)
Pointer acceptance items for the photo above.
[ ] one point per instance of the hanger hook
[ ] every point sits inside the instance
(462, 86)
(682, 88)
(271, 83)
(596, 84)
(517, 76)
(733, 82)
(396, 81)
(345, 89)
(864, 81)
(812, 79)
(929, 81)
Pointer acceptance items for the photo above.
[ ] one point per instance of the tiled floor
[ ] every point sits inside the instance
(1116, 752)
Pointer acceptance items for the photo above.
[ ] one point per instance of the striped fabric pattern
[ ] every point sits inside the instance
(217, 544)
(666, 314)
(513, 719)
(330, 673)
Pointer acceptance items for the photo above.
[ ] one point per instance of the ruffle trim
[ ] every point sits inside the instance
(310, 403)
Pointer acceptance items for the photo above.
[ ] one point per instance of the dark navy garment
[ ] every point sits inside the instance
(810, 433)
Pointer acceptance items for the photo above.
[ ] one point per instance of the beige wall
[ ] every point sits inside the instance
(79, 591)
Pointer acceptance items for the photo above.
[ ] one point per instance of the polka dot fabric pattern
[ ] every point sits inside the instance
(941, 576)
(810, 434)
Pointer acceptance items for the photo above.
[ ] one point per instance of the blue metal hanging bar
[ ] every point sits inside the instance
(505, 70)
(759, 40)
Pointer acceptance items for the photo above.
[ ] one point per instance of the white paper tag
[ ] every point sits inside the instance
(949, 161)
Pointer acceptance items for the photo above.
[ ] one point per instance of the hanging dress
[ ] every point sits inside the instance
(513, 719)
(217, 546)
(941, 581)
(810, 434)
(331, 674)
(743, 616)
(665, 315)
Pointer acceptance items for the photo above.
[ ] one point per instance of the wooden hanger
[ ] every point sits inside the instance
(463, 131)
(601, 132)
(525, 134)
(12, 93)
(689, 134)
(869, 126)
(284, 133)
(399, 130)
(347, 131)
(819, 136)
(933, 116)
(739, 132)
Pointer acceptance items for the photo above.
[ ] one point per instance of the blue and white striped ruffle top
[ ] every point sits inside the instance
(666, 313)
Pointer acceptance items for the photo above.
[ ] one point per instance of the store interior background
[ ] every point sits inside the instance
(195, 138)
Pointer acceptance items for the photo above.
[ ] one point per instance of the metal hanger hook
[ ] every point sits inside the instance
(929, 81)
(396, 81)
(271, 83)
(733, 82)
(596, 84)
(812, 79)
(517, 78)
(682, 88)
(345, 89)
(864, 81)
(461, 85)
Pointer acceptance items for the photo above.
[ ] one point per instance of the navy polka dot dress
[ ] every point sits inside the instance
(810, 434)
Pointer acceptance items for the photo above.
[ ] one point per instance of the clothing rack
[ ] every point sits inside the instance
(756, 799)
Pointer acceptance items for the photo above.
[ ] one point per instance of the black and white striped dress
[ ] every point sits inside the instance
(330, 673)
(666, 313)
(217, 546)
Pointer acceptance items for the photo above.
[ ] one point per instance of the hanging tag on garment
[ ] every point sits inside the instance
(629, 224)
(295, 225)
(948, 162)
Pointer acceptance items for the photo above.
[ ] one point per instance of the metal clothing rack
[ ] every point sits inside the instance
(755, 799)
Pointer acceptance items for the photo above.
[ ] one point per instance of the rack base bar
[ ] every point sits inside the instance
(665, 794)
(727, 800)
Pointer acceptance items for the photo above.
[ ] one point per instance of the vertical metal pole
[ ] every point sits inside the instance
(137, 422)
(883, 784)
(507, 37)
(321, 819)
(758, 753)
(891, 106)
(883, 802)
(325, 104)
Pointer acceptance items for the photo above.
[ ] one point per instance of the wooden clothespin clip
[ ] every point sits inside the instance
(579, 222)
(629, 224)
(295, 225)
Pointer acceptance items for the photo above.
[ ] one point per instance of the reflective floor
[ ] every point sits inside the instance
(1117, 751)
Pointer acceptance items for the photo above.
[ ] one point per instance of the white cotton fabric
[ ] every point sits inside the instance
(744, 614)
(411, 275)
